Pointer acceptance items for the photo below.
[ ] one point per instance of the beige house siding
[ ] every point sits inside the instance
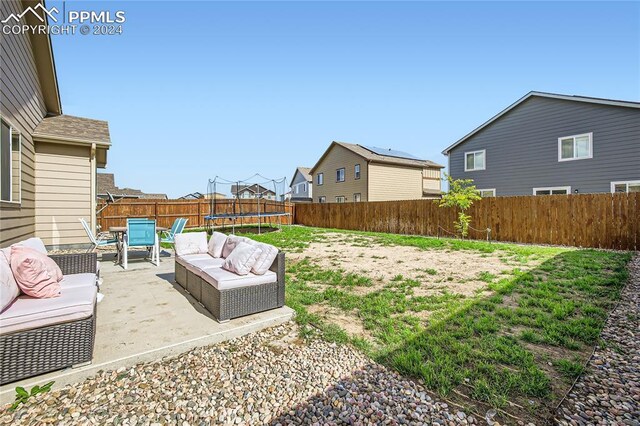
(391, 182)
(22, 106)
(432, 179)
(337, 158)
(64, 179)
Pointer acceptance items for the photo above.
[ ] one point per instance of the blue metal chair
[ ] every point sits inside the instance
(176, 228)
(141, 233)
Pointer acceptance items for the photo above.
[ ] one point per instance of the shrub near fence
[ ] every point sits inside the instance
(608, 221)
(166, 211)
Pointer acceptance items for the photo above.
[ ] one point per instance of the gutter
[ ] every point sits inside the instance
(69, 141)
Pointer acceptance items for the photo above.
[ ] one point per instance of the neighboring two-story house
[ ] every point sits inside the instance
(348, 172)
(302, 186)
(553, 144)
(252, 191)
(48, 160)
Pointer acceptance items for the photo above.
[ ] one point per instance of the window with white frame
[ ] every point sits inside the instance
(304, 187)
(626, 186)
(487, 192)
(322, 199)
(577, 147)
(10, 163)
(357, 197)
(340, 175)
(356, 171)
(554, 190)
(320, 178)
(474, 160)
(340, 199)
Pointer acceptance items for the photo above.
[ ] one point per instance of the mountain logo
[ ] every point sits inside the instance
(33, 10)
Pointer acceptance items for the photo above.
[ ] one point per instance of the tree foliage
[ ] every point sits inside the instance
(462, 193)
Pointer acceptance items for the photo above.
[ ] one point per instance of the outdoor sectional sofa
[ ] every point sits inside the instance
(42, 335)
(223, 293)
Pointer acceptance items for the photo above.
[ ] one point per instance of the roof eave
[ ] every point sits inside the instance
(586, 99)
(45, 63)
(399, 163)
(41, 137)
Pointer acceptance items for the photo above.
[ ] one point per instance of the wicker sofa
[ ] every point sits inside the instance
(42, 335)
(225, 294)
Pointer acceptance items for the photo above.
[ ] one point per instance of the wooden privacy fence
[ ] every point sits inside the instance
(608, 221)
(166, 211)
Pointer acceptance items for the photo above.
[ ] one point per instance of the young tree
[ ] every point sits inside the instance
(462, 193)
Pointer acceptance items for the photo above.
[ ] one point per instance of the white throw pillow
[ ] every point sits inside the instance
(216, 243)
(191, 243)
(34, 243)
(264, 262)
(231, 243)
(9, 289)
(242, 258)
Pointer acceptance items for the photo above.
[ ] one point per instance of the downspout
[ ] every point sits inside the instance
(93, 187)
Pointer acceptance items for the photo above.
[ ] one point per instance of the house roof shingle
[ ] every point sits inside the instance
(304, 171)
(255, 188)
(68, 127)
(105, 182)
(369, 155)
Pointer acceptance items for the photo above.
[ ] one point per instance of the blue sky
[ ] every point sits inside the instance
(192, 90)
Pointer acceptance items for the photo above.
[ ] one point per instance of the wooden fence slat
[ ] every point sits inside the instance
(588, 220)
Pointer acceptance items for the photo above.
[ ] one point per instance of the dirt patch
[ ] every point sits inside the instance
(459, 272)
(349, 323)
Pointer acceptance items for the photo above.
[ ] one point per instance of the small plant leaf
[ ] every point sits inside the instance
(21, 392)
(47, 387)
(35, 390)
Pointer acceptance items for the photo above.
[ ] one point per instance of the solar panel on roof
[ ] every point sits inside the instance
(391, 153)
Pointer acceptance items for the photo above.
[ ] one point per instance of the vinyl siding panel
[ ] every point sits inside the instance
(391, 182)
(22, 105)
(62, 196)
(522, 148)
(335, 159)
(432, 179)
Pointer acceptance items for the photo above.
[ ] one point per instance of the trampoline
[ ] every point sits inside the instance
(256, 200)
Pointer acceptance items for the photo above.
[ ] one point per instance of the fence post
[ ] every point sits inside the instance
(155, 212)
(199, 216)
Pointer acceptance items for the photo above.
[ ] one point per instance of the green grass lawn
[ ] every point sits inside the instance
(516, 347)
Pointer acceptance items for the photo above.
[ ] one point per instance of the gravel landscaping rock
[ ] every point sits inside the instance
(269, 377)
(609, 391)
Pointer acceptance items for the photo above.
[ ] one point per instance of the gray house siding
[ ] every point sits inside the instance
(304, 193)
(522, 148)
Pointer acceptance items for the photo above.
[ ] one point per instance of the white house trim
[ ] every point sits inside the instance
(493, 191)
(590, 135)
(552, 188)
(484, 166)
(623, 182)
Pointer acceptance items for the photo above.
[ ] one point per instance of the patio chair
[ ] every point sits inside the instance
(141, 233)
(101, 240)
(176, 228)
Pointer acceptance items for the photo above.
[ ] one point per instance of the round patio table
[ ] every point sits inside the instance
(119, 232)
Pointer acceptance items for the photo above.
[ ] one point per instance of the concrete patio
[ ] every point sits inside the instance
(146, 316)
